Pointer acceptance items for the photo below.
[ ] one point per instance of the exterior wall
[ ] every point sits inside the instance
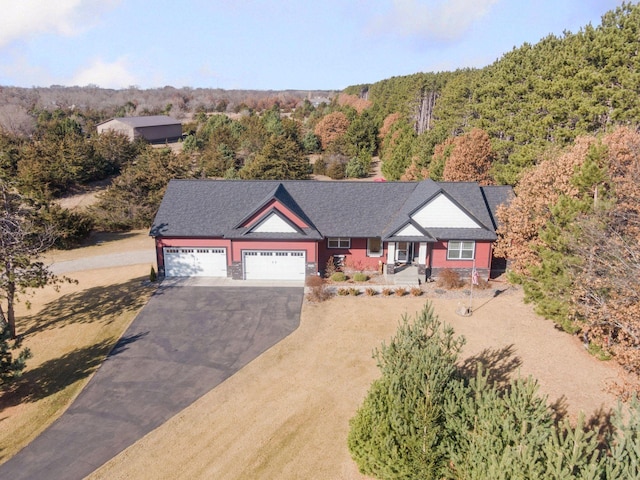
(190, 242)
(159, 133)
(317, 255)
(483, 255)
(118, 127)
(355, 257)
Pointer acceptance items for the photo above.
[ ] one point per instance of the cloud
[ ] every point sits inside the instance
(443, 20)
(106, 75)
(26, 18)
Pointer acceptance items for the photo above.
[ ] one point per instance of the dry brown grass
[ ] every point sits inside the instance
(286, 414)
(70, 332)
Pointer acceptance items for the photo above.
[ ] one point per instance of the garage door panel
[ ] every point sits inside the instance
(274, 265)
(195, 262)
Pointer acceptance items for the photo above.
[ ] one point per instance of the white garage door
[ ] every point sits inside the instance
(195, 262)
(274, 265)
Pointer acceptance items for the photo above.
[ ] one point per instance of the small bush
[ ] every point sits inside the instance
(339, 277)
(317, 289)
(354, 291)
(335, 170)
(343, 292)
(314, 281)
(318, 293)
(360, 277)
(330, 267)
(370, 292)
(449, 279)
(416, 291)
(387, 291)
(400, 292)
(320, 166)
(153, 276)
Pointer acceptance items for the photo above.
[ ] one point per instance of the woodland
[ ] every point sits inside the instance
(558, 120)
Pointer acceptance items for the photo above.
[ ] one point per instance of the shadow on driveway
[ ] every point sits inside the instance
(183, 343)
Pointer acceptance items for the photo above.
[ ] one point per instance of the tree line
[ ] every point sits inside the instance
(533, 98)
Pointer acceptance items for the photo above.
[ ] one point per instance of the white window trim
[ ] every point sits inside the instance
(340, 242)
(379, 253)
(458, 251)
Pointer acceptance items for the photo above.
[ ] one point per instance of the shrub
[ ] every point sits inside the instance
(335, 170)
(330, 267)
(343, 292)
(153, 276)
(317, 289)
(354, 291)
(400, 292)
(320, 166)
(314, 281)
(387, 291)
(338, 277)
(416, 291)
(449, 279)
(360, 277)
(371, 291)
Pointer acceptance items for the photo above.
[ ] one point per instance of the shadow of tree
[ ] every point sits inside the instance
(601, 423)
(560, 409)
(498, 364)
(57, 374)
(87, 306)
(98, 238)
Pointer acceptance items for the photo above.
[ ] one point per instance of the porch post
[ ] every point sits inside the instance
(391, 257)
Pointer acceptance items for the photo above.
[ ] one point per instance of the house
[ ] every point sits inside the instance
(153, 128)
(269, 229)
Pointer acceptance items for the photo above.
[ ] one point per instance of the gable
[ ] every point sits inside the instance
(273, 223)
(442, 212)
(409, 231)
(271, 207)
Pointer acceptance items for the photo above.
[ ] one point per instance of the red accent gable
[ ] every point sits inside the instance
(274, 205)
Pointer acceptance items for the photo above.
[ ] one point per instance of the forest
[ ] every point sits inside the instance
(558, 120)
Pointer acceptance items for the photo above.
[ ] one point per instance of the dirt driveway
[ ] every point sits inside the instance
(286, 414)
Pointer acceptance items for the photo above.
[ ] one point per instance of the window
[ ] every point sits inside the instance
(374, 247)
(338, 242)
(460, 250)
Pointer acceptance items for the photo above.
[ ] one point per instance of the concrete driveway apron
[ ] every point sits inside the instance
(183, 343)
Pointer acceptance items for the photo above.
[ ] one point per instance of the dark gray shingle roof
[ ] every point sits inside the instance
(147, 121)
(496, 195)
(217, 208)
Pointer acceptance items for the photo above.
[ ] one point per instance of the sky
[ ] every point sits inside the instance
(267, 45)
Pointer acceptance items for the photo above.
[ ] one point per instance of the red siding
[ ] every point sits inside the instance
(356, 256)
(439, 256)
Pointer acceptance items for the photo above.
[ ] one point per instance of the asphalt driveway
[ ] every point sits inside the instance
(183, 343)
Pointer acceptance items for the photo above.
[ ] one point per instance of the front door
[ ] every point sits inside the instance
(403, 252)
